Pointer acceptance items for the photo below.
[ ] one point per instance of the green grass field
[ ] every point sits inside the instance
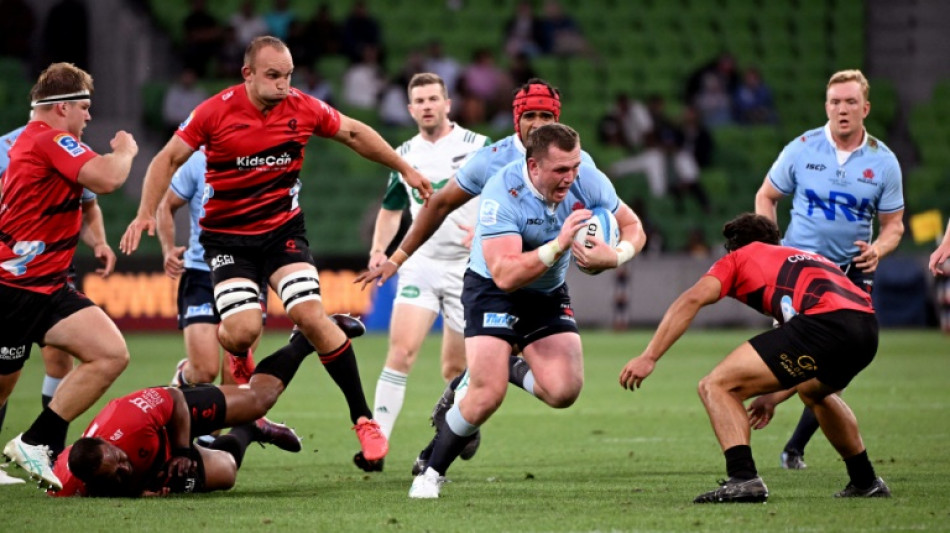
(615, 461)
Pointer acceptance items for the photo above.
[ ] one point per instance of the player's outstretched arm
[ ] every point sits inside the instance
(427, 221)
(387, 225)
(367, 142)
(892, 229)
(157, 178)
(675, 322)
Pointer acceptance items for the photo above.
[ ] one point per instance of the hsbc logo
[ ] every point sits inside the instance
(257, 161)
(12, 353)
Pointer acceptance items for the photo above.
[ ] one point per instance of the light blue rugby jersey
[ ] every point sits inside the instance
(6, 142)
(834, 205)
(189, 184)
(511, 205)
(488, 160)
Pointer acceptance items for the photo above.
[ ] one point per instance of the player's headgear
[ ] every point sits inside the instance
(536, 95)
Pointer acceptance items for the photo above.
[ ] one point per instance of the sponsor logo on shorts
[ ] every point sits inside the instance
(409, 291)
(12, 353)
(488, 213)
(797, 368)
(70, 144)
(567, 313)
(221, 260)
(199, 310)
(498, 320)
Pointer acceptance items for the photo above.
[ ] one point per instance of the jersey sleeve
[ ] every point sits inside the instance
(475, 172)
(725, 271)
(327, 118)
(586, 159)
(71, 484)
(396, 197)
(65, 153)
(782, 172)
(601, 189)
(195, 130)
(497, 213)
(185, 181)
(893, 197)
(88, 196)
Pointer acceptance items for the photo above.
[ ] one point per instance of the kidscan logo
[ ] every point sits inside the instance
(257, 161)
(12, 353)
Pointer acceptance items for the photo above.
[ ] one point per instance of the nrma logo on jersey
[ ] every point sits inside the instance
(851, 208)
(259, 161)
(70, 144)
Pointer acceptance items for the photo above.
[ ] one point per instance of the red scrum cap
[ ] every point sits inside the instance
(536, 97)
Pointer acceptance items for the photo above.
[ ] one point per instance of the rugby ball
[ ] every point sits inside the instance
(603, 225)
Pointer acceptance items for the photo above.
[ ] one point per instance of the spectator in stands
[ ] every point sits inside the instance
(696, 140)
(359, 30)
(696, 245)
(520, 70)
(524, 32)
(279, 19)
(248, 24)
(394, 102)
(444, 66)
(364, 81)
(482, 86)
(660, 145)
(16, 28)
(563, 36)
(181, 98)
(230, 56)
(311, 82)
(723, 67)
(752, 101)
(322, 33)
(202, 38)
(66, 34)
(713, 101)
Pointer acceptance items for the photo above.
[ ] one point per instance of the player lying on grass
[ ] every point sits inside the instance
(828, 333)
(141, 444)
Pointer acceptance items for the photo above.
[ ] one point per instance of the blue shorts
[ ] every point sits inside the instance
(520, 317)
(196, 299)
(27, 316)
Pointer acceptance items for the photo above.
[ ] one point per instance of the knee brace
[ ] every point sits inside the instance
(236, 296)
(299, 287)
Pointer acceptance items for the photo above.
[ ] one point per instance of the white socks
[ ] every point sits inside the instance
(390, 394)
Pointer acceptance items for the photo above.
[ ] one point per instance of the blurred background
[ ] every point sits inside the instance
(723, 84)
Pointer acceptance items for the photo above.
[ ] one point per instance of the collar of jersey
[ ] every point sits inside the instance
(518, 144)
(834, 146)
(527, 182)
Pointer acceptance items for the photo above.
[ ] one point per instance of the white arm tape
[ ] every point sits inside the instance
(549, 252)
(625, 252)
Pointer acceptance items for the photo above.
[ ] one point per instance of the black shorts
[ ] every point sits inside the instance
(864, 280)
(520, 317)
(196, 299)
(255, 256)
(27, 316)
(832, 347)
(207, 407)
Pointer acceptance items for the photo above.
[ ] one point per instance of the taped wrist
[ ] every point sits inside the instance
(549, 253)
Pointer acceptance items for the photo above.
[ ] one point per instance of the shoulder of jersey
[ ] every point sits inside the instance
(876, 144)
(811, 136)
